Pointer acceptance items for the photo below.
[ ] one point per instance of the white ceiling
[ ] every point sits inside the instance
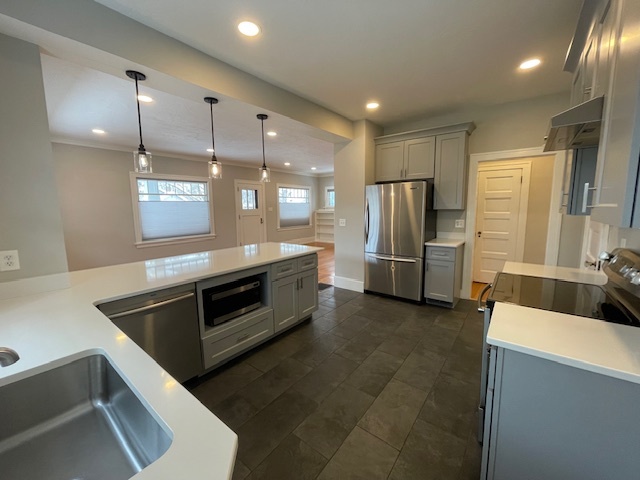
(418, 58)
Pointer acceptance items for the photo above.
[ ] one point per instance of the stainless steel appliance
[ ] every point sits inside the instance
(165, 325)
(228, 301)
(399, 219)
(618, 302)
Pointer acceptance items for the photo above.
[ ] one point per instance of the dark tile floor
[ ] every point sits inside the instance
(368, 388)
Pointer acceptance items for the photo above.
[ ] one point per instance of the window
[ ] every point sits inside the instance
(294, 206)
(329, 197)
(171, 208)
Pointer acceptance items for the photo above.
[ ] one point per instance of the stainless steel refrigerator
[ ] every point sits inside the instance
(399, 219)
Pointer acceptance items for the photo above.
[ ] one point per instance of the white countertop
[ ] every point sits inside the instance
(577, 275)
(601, 347)
(444, 242)
(53, 328)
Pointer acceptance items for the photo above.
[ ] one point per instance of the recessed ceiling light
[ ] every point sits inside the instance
(313, 168)
(286, 164)
(372, 105)
(531, 63)
(145, 98)
(210, 150)
(99, 131)
(249, 29)
(272, 133)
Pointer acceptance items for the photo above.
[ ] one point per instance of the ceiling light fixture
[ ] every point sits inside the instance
(313, 168)
(215, 167)
(272, 133)
(145, 98)
(532, 63)
(372, 105)
(286, 164)
(265, 173)
(249, 29)
(141, 158)
(98, 131)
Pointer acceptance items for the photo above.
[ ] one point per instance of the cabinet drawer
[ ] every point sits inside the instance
(441, 253)
(284, 269)
(307, 263)
(216, 350)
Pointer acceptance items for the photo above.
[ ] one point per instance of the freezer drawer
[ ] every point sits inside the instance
(397, 276)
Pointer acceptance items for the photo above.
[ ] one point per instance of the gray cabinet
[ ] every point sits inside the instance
(549, 421)
(295, 296)
(440, 153)
(583, 172)
(443, 274)
(450, 181)
(405, 160)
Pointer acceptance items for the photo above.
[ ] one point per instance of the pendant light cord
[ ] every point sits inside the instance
(264, 164)
(213, 141)
(141, 147)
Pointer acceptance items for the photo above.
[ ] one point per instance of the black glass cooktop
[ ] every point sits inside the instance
(580, 299)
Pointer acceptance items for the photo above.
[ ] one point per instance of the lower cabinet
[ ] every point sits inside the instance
(294, 298)
(443, 274)
(235, 336)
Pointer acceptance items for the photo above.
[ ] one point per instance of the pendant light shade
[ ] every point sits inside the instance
(265, 173)
(141, 158)
(215, 167)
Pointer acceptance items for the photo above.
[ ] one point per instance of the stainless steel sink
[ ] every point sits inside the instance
(77, 421)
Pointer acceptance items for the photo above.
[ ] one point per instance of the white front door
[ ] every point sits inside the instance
(498, 221)
(250, 219)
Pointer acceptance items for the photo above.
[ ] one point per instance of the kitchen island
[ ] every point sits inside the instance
(53, 328)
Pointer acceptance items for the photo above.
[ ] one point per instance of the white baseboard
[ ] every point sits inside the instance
(348, 284)
(301, 241)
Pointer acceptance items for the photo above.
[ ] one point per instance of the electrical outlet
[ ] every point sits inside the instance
(9, 260)
(459, 223)
(342, 222)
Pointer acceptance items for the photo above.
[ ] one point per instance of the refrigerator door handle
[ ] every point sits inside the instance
(394, 259)
(366, 223)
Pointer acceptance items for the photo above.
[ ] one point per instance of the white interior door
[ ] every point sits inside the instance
(499, 221)
(250, 219)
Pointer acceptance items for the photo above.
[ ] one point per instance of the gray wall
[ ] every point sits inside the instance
(95, 201)
(29, 213)
(354, 168)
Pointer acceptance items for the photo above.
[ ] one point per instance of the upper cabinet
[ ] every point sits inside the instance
(605, 59)
(405, 160)
(438, 153)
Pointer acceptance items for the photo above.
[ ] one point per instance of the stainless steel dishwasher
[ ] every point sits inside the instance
(165, 325)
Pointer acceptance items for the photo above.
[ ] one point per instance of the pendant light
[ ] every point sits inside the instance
(141, 158)
(265, 173)
(215, 167)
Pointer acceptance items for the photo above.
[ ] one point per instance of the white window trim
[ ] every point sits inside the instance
(301, 227)
(326, 196)
(133, 183)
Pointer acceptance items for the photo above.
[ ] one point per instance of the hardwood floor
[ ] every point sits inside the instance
(476, 288)
(326, 262)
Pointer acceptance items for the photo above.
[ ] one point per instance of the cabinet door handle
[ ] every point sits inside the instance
(241, 338)
(301, 283)
(585, 197)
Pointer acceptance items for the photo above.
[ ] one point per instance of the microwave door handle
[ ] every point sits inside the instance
(481, 306)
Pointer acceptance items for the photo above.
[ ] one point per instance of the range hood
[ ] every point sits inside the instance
(577, 127)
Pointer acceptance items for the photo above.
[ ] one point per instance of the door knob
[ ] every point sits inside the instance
(479, 234)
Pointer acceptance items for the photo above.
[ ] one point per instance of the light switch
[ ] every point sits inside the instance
(342, 222)
(459, 223)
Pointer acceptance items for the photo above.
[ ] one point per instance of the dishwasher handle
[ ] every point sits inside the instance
(482, 306)
(153, 306)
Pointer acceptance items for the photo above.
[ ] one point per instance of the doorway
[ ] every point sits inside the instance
(250, 219)
(501, 217)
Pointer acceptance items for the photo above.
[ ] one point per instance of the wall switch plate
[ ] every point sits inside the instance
(9, 260)
(459, 223)
(342, 222)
